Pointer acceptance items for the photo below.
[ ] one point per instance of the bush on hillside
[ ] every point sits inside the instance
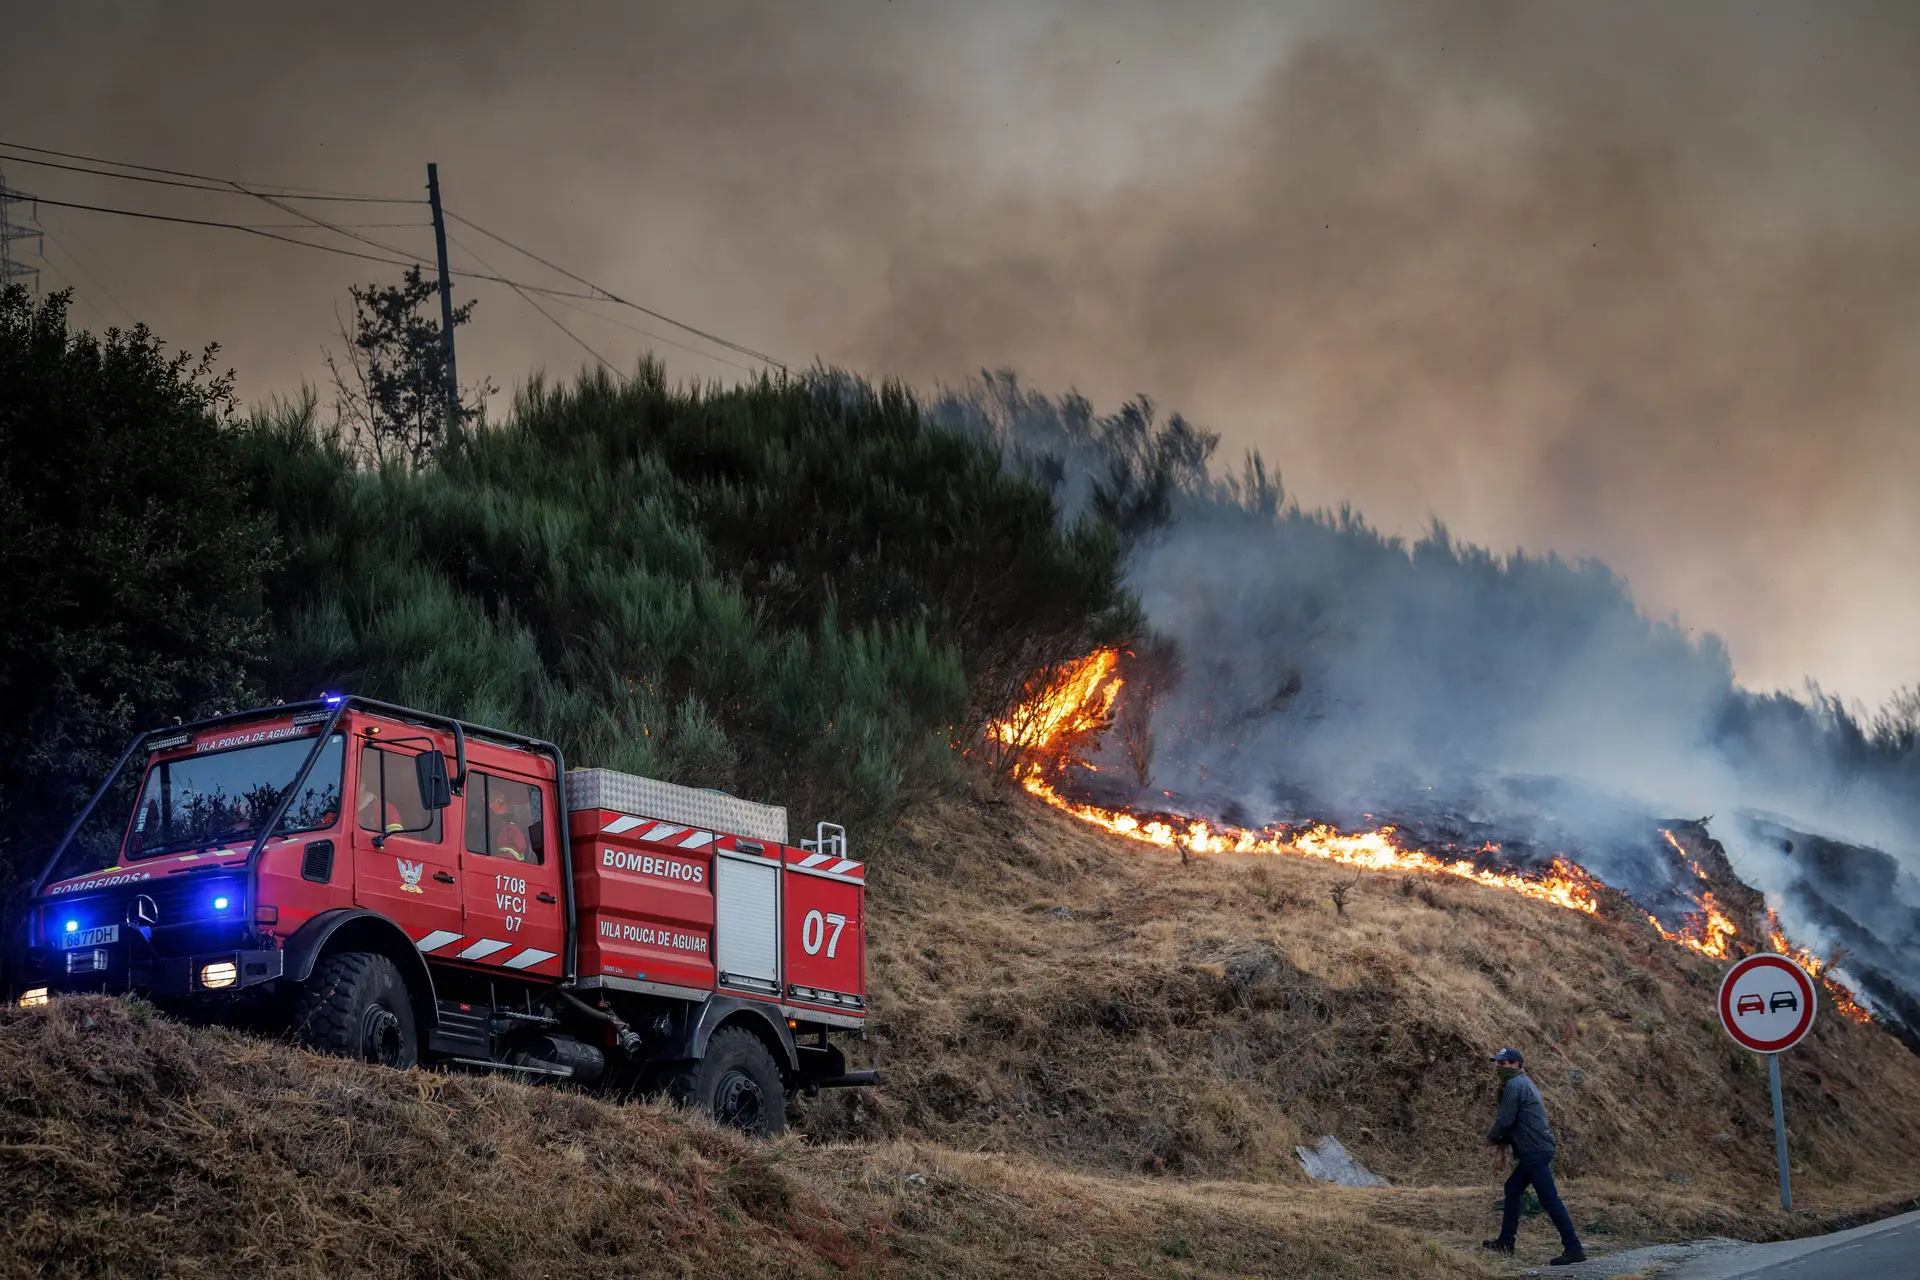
(796, 588)
(131, 562)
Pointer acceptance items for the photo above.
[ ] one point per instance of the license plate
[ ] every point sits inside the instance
(97, 936)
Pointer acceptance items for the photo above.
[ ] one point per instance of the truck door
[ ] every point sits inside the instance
(403, 866)
(510, 875)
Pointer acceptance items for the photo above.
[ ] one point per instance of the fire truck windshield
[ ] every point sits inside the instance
(227, 796)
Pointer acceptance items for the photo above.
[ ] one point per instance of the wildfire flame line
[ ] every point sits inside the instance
(1563, 885)
(1838, 995)
(1042, 732)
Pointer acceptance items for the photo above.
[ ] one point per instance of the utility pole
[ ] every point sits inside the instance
(446, 297)
(11, 270)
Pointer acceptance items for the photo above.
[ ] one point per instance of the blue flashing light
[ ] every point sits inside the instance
(333, 699)
(220, 904)
(72, 926)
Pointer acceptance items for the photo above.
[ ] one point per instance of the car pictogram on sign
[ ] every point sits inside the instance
(1751, 1004)
(1784, 1000)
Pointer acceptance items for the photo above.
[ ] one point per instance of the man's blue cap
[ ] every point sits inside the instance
(1509, 1055)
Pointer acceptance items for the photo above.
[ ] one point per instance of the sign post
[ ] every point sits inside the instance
(1780, 1132)
(1767, 1005)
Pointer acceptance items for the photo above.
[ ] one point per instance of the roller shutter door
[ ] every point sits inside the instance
(747, 923)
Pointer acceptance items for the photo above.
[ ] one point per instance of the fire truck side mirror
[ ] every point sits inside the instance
(436, 792)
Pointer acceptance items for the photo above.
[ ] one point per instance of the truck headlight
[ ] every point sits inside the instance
(221, 973)
(33, 999)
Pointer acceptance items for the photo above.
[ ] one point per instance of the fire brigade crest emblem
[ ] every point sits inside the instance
(410, 875)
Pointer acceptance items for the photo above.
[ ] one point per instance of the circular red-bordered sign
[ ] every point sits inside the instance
(1767, 1003)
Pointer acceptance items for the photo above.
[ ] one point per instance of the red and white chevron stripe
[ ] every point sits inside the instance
(827, 864)
(658, 832)
(480, 949)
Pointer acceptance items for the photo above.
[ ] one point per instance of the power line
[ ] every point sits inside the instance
(648, 333)
(224, 184)
(609, 296)
(299, 226)
(217, 186)
(527, 298)
(85, 301)
(226, 226)
(221, 189)
(401, 257)
(337, 228)
(87, 271)
(407, 258)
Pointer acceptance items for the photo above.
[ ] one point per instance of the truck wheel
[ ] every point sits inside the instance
(356, 1005)
(736, 1083)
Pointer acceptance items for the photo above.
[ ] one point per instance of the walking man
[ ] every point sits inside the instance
(1522, 1125)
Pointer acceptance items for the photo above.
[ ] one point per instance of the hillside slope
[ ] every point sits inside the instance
(1043, 988)
(136, 1146)
(1100, 1059)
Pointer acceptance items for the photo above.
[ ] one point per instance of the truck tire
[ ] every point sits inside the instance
(737, 1084)
(357, 1005)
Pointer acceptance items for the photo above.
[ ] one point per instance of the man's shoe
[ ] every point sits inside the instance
(1571, 1256)
(1498, 1246)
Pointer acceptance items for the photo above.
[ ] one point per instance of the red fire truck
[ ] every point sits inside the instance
(408, 888)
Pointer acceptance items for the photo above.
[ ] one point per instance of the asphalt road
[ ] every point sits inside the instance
(1887, 1250)
(1884, 1250)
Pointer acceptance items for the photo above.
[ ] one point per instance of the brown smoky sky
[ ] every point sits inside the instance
(1623, 280)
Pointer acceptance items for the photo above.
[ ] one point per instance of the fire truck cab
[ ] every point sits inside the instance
(406, 888)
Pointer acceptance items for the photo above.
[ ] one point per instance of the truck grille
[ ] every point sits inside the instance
(187, 900)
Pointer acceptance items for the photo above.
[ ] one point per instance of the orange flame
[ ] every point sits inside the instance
(1076, 703)
(1838, 996)
(1564, 885)
(1707, 930)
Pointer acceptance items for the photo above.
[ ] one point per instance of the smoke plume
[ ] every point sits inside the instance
(1636, 281)
(1335, 674)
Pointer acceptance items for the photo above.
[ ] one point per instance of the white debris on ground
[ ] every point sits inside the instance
(1328, 1161)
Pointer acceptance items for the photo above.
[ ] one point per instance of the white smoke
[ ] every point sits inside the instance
(1335, 674)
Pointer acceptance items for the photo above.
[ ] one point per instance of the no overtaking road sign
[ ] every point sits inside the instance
(1767, 1003)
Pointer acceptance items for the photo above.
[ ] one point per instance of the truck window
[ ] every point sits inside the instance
(227, 796)
(503, 819)
(390, 796)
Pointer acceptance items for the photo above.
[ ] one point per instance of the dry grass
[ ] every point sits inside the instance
(1044, 989)
(1100, 1062)
(133, 1146)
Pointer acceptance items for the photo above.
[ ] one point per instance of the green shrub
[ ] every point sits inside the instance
(796, 588)
(131, 562)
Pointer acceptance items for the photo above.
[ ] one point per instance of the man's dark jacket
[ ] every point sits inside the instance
(1523, 1121)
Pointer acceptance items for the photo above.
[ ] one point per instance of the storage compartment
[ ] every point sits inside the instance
(683, 892)
(823, 912)
(747, 927)
(643, 896)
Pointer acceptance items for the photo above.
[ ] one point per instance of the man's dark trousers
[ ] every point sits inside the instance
(1538, 1174)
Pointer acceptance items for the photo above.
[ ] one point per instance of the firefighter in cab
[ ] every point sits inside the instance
(509, 826)
(375, 814)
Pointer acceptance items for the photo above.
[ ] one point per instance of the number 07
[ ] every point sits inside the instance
(813, 931)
